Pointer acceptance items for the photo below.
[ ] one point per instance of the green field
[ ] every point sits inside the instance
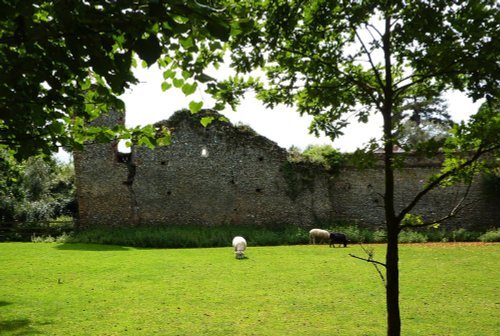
(75, 289)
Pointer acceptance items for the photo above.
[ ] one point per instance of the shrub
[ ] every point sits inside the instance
(188, 236)
(380, 236)
(42, 239)
(219, 236)
(325, 155)
(408, 236)
(63, 238)
(490, 236)
(462, 235)
(437, 235)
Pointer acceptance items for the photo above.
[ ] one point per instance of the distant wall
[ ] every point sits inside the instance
(359, 198)
(222, 174)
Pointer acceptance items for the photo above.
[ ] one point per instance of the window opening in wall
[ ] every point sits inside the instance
(123, 153)
(204, 152)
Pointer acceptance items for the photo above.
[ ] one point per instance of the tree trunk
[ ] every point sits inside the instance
(392, 223)
(392, 253)
(392, 284)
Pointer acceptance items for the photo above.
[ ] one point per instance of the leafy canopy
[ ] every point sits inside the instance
(36, 190)
(341, 61)
(63, 63)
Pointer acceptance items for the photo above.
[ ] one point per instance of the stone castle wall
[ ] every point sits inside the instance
(359, 198)
(222, 174)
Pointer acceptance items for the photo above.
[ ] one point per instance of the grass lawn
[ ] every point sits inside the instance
(73, 289)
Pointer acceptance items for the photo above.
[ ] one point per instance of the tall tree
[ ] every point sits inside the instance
(424, 121)
(339, 59)
(36, 190)
(65, 62)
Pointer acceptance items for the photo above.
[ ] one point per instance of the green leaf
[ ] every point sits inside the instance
(165, 86)
(219, 106)
(186, 74)
(178, 82)
(187, 43)
(189, 89)
(169, 73)
(145, 141)
(204, 78)
(148, 49)
(219, 29)
(195, 107)
(205, 121)
(411, 220)
(163, 137)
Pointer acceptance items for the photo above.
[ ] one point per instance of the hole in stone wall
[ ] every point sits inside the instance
(163, 163)
(123, 153)
(258, 190)
(204, 152)
(261, 158)
(169, 192)
(122, 146)
(123, 157)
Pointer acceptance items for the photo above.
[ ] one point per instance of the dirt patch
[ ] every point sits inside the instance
(451, 244)
(439, 244)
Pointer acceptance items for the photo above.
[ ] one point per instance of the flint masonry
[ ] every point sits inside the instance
(222, 174)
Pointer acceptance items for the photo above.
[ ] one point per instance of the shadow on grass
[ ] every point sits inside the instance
(89, 247)
(17, 327)
(242, 258)
(4, 303)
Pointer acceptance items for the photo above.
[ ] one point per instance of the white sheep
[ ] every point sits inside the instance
(240, 245)
(321, 236)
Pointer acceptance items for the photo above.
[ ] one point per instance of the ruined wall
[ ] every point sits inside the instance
(359, 198)
(102, 192)
(211, 175)
(222, 174)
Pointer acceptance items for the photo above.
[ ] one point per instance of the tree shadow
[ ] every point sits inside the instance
(18, 327)
(89, 247)
(4, 303)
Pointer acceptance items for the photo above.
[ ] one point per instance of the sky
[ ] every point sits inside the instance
(146, 103)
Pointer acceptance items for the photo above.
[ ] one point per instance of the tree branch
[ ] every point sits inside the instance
(374, 28)
(400, 90)
(456, 209)
(365, 87)
(440, 179)
(367, 52)
(375, 263)
(368, 260)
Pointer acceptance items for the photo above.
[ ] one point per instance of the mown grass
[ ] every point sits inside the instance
(80, 289)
